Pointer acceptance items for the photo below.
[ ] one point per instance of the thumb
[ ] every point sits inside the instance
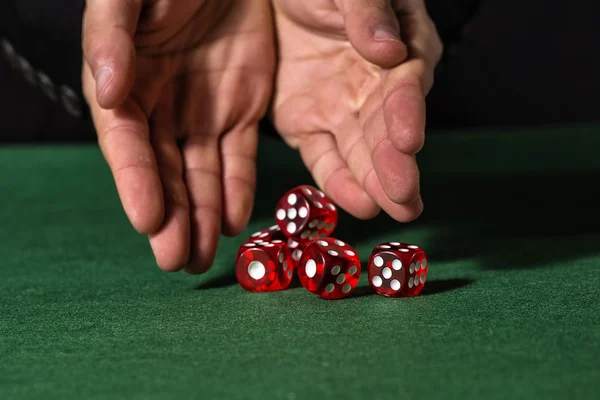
(108, 48)
(374, 31)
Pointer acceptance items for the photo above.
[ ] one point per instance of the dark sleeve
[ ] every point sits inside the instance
(48, 34)
(40, 65)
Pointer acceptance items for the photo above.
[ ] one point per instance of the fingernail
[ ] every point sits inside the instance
(103, 76)
(385, 33)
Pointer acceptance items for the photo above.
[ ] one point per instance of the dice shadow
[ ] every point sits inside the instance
(361, 291)
(433, 287)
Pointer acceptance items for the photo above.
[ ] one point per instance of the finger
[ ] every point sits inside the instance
(397, 171)
(407, 86)
(124, 140)
(420, 34)
(108, 48)
(171, 243)
(321, 156)
(373, 30)
(353, 149)
(404, 107)
(238, 152)
(202, 173)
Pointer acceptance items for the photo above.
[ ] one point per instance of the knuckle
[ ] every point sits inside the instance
(411, 82)
(242, 180)
(326, 178)
(112, 142)
(438, 49)
(120, 130)
(175, 193)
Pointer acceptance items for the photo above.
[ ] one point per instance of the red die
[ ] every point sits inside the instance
(329, 268)
(265, 266)
(266, 235)
(397, 269)
(269, 235)
(305, 213)
(296, 249)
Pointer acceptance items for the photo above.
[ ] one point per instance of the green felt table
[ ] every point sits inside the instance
(511, 308)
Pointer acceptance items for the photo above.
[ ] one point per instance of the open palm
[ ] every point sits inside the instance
(176, 91)
(350, 90)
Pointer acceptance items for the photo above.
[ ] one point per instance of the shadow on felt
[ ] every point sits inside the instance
(500, 221)
(361, 291)
(438, 286)
(513, 222)
(219, 281)
(432, 287)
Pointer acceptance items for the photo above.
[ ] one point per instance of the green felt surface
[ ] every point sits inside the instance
(511, 308)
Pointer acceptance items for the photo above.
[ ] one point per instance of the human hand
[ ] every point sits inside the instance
(176, 90)
(350, 95)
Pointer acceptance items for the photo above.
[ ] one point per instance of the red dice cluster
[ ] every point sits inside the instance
(301, 243)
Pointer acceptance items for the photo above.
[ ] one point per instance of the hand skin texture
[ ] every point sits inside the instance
(350, 96)
(176, 90)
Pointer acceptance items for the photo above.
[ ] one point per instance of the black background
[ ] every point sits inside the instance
(506, 62)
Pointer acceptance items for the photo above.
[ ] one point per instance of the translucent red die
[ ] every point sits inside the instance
(297, 249)
(329, 268)
(266, 235)
(397, 269)
(269, 235)
(265, 266)
(305, 214)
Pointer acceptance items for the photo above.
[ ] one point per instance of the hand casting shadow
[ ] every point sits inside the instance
(514, 222)
(438, 286)
(501, 220)
(219, 281)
